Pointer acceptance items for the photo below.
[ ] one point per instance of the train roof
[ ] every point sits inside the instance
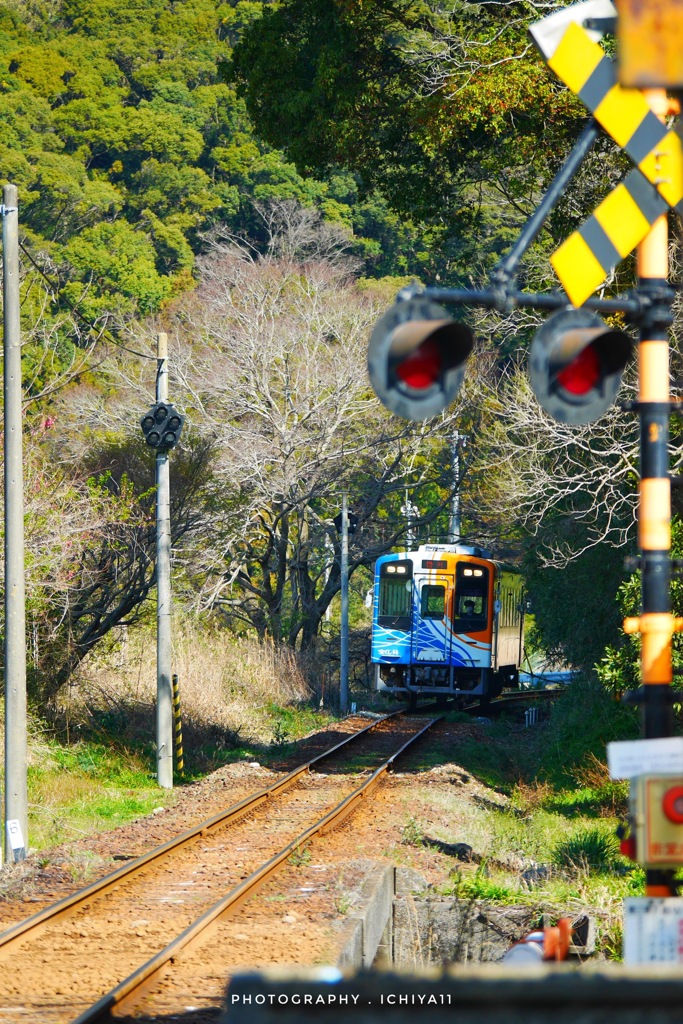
(455, 549)
(429, 550)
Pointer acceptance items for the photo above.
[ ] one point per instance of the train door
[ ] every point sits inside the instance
(509, 640)
(432, 635)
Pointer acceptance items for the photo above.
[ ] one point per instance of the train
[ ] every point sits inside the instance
(446, 619)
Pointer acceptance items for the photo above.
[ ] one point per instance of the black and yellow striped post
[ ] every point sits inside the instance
(178, 729)
(635, 213)
(656, 624)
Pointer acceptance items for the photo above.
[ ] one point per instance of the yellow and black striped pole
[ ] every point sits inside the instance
(178, 729)
(656, 624)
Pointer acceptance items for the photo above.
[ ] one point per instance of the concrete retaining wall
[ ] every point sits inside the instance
(397, 924)
(369, 926)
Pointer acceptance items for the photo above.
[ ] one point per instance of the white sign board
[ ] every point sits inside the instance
(548, 32)
(653, 930)
(629, 758)
(15, 839)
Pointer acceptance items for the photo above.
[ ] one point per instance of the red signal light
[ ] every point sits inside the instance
(422, 367)
(416, 358)
(582, 374)
(576, 362)
(673, 804)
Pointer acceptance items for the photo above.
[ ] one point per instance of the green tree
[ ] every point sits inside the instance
(619, 667)
(420, 103)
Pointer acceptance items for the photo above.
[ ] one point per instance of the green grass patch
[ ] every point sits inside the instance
(86, 788)
(290, 723)
(479, 886)
(590, 848)
(608, 800)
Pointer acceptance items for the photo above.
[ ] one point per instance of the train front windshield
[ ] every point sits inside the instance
(471, 596)
(395, 594)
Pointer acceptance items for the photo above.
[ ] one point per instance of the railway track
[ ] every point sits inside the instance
(104, 949)
(495, 705)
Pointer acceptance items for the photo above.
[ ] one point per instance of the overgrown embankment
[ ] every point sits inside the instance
(527, 816)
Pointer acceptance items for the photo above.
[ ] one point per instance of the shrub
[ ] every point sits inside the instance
(589, 848)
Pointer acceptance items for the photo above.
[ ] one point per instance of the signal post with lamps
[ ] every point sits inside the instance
(161, 426)
(417, 353)
(651, 795)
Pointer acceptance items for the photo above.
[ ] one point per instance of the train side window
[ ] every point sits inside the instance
(471, 595)
(432, 601)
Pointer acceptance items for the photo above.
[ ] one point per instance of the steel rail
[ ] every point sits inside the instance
(129, 991)
(67, 906)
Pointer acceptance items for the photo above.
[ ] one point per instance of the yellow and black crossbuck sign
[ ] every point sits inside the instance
(625, 216)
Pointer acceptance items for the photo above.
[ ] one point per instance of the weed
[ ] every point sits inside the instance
(457, 716)
(480, 887)
(300, 857)
(611, 939)
(84, 866)
(412, 833)
(591, 773)
(529, 797)
(280, 734)
(342, 904)
(589, 848)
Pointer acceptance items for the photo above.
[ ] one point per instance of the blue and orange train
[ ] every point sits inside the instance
(447, 619)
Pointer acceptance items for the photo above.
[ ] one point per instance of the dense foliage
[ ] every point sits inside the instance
(259, 179)
(445, 108)
(127, 147)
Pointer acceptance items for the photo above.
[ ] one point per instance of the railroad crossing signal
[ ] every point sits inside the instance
(416, 358)
(576, 362)
(624, 218)
(162, 425)
(417, 351)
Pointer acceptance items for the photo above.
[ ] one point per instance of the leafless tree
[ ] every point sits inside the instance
(274, 370)
(542, 472)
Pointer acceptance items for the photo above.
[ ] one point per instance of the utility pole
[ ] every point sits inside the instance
(410, 511)
(16, 742)
(454, 526)
(344, 638)
(163, 516)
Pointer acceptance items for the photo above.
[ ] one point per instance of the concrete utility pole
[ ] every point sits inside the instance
(410, 512)
(16, 743)
(344, 639)
(163, 514)
(454, 526)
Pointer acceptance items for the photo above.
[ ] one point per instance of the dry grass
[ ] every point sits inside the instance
(530, 796)
(231, 690)
(591, 773)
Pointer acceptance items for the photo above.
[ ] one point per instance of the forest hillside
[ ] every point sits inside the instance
(257, 180)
